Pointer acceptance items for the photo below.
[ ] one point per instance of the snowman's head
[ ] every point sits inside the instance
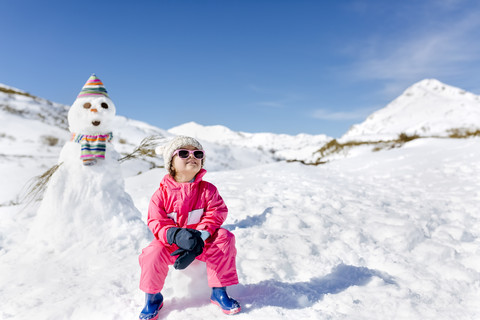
(93, 111)
(91, 115)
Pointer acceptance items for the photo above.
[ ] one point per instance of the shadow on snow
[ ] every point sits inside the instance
(249, 221)
(297, 295)
(303, 294)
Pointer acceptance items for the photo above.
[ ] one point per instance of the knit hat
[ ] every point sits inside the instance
(93, 87)
(178, 142)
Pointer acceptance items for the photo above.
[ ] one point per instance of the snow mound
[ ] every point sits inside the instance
(85, 202)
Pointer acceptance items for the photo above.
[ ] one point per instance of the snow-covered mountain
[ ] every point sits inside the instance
(427, 108)
(279, 146)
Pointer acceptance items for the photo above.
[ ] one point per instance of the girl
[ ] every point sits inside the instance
(185, 216)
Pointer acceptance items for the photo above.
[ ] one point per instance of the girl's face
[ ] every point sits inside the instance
(186, 169)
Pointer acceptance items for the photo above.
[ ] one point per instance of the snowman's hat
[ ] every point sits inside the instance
(93, 87)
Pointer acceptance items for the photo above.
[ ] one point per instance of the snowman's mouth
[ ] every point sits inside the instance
(96, 123)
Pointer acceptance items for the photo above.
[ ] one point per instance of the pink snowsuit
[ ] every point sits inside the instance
(196, 205)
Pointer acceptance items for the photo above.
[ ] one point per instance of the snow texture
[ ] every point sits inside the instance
(377, 235)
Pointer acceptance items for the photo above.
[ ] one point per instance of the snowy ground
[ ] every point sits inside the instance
(387, 235)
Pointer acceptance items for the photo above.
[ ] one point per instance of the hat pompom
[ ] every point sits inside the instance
(159, 150)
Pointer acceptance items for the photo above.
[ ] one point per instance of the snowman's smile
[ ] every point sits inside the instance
(96, 123)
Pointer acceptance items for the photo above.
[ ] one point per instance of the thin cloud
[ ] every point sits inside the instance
(358, 114)
(271, 104)
(256, 88)
(442, 52)
(275, 99)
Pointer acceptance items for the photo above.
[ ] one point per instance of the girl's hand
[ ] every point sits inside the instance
(184, 238)
(185, 257)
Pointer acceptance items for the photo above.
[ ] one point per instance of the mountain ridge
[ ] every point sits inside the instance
(427, 108)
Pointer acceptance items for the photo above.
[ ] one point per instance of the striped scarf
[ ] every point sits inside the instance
(93, 147)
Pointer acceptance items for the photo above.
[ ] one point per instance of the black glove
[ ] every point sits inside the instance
(185, 257)
(190, 245)
(184, 238)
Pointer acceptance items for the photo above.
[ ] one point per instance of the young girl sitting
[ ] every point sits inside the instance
(185, 215)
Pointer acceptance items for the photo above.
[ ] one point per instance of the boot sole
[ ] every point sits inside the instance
(156, 317)
(232, 311)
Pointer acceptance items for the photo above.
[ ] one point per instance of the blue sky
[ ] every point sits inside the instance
(254, 65)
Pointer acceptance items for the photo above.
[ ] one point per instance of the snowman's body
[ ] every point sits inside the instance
(85, 201)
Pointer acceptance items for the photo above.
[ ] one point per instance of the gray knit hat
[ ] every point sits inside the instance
(178, 142)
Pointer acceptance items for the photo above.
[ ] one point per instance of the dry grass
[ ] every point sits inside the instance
(11, 91)
(36, 187)
(460, 133)
(333, 146)
(49, 140)
(146, 149)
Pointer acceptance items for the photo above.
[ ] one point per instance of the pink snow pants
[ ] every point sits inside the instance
(219, 255)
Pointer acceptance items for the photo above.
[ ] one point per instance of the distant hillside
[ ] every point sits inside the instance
(427, 108)
(25, 105)
(280, 146)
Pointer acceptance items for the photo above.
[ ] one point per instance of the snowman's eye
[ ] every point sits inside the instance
(104, 105)
(87, 105)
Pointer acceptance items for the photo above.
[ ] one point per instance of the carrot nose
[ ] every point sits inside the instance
(93, 110)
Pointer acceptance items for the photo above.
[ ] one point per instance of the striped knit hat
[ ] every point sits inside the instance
(93, 87)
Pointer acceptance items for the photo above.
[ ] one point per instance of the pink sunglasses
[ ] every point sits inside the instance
(184, 153)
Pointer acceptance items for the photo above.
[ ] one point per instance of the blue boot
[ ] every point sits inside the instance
(153, 304)
(221, 299)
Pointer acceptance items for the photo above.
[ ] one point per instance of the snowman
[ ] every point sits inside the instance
(85, 204)
(90, 121)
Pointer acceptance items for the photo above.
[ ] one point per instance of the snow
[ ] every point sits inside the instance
(280, 146)
(384, 235)
(392, 234)
(427, 108)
